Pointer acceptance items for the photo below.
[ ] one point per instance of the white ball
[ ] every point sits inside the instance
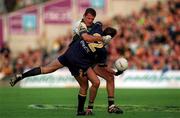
(121, 64)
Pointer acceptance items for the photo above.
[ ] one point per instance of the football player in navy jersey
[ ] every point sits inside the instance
(77, 66)
(99, 53)
(102, 71)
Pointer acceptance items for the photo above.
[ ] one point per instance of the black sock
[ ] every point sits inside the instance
(81, 102)
(90, 105)
(32, 72)
(110, 100)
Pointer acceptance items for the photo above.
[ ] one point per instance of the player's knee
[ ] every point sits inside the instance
(109, 78)
(83, 90)
(84, 87)
(84, 84)
(96, 83)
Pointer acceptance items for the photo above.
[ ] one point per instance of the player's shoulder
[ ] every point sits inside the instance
(79, 26)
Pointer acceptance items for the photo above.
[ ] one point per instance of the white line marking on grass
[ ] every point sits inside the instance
(103, 107)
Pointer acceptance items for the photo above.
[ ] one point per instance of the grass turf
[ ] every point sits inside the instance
(61, 102)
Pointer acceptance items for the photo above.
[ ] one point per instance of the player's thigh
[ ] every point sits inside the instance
(102, 72)
(52, 66)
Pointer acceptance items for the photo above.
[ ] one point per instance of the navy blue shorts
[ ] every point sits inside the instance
(74, 68)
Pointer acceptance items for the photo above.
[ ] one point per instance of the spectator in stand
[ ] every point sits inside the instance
(5, 59)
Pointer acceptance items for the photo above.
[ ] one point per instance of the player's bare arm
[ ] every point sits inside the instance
(90, 38)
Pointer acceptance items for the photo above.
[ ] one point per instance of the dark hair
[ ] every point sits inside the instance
(109, 31)
(90, 11)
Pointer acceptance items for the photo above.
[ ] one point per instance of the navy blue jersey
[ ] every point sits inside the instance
(81, 55)
(97, 49)
(100, 53)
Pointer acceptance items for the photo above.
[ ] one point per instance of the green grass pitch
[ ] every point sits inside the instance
(62, 102)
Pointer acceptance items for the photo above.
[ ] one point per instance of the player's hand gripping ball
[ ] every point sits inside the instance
(121, 64)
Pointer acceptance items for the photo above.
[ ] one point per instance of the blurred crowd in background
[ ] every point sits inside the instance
(149, 39)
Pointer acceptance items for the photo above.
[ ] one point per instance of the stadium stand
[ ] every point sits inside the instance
(149, 39)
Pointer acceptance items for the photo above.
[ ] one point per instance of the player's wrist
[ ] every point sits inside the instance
(98, 38)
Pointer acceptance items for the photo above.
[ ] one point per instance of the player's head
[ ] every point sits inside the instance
(109, 31)
(89, 16)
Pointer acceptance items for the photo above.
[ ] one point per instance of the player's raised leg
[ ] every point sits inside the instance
(54, 65)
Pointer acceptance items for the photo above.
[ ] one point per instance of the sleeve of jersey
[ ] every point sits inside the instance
(82, 28)
(75, 28)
